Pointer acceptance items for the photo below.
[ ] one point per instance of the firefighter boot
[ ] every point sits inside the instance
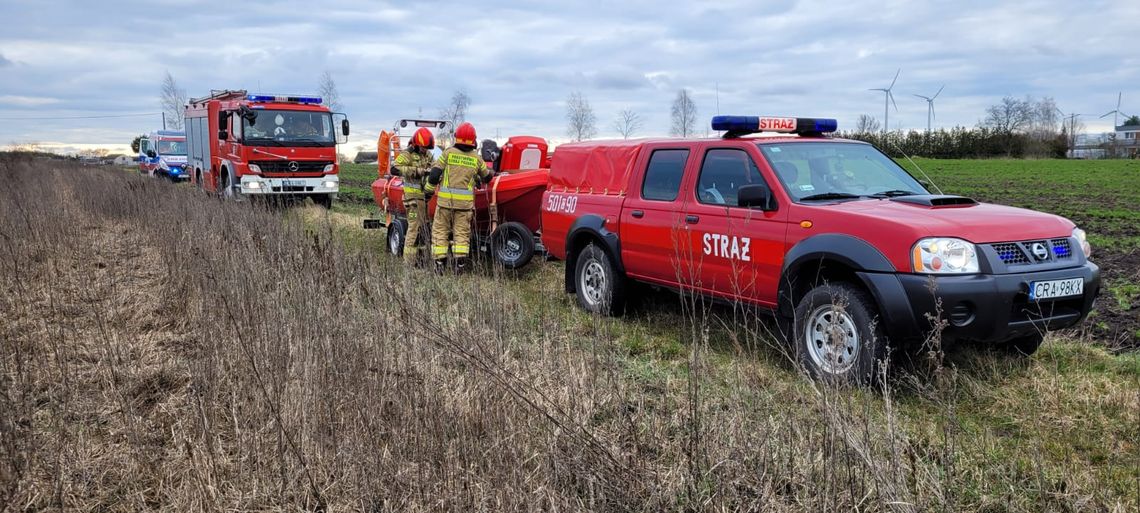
(462, 265)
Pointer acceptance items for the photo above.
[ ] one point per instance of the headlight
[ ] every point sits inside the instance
(1083, 238)
(252, 185)
(329, 168)
(253, 168)
(329, 184)
(942, 255)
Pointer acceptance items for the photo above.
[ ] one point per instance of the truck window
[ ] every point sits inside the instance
(663, 175)
(723, 172)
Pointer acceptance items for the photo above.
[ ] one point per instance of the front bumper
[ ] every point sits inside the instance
(982, 307)
(258, 185)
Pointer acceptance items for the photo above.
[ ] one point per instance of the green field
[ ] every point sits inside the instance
(1101, 196)
(355, 180)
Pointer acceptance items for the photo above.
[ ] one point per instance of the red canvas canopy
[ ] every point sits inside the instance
(596, 167)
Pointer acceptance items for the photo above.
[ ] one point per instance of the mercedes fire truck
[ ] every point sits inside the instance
(256, 145)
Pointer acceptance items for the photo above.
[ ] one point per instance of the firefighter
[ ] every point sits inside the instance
(453, 179)
(413, 166)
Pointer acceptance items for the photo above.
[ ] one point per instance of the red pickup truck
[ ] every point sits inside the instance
(844, 246)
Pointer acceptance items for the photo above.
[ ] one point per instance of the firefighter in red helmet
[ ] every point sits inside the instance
(453, 179)
(413, 166)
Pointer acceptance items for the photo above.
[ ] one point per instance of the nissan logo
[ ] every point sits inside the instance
(295, 166)
(1040, 251)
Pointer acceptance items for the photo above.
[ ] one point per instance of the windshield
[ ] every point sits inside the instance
(289, 127)
(171, 147)
(837, 170)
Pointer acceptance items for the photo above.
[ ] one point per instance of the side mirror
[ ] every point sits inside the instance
(151, 154)
(756, 196)
(248, 114)
(344, 127)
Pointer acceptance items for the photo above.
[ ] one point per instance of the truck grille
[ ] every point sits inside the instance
(1021, 253)
(286, 166)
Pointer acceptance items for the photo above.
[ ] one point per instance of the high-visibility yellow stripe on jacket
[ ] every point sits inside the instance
(457, 186)
(414, 167)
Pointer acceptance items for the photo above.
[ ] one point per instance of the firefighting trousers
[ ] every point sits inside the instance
(417, 228)
(455, 224)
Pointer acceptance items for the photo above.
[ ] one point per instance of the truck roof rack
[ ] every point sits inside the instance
(216, 94)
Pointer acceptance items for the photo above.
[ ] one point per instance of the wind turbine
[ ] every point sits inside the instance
(930, 106)
(1115, 112)
(887, 96)
(1115, 116)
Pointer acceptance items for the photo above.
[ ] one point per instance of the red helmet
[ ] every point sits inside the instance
(465, 134)
(423, 139)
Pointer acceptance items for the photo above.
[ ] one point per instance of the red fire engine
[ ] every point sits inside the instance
(255, 145)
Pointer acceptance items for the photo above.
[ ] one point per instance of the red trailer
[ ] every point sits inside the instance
(508, 215)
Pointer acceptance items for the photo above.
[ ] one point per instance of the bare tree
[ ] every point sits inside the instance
(1010, 116)
(173, 102)
(684, 114)
(866, 124)
(328, 92)
(456, 112)
(628, 122)
(580, 120)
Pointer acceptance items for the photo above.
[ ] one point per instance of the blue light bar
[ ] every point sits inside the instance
(313, 100)
(736, 126)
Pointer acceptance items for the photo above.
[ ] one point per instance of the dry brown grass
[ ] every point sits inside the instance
(163, 350)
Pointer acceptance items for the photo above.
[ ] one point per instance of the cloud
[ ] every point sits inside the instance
(518, 63)
(26, 101)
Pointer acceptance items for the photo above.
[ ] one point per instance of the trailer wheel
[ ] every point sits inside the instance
(396, 233)
(512, 245)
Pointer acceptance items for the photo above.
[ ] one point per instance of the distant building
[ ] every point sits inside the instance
(1128, 140)
(365, 157)
(1089, 146)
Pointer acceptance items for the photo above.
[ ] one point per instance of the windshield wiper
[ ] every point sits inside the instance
(894, 193)
(830, 196)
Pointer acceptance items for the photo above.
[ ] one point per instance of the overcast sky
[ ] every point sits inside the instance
(518, 61)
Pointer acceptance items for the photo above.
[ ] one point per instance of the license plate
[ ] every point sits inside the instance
(1056, 288)
(293, 183)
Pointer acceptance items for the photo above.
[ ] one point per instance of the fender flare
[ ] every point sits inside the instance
(873, 270)
(592, 226)
(856, 254)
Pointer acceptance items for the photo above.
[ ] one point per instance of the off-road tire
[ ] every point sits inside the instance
(599, 287)
(848, 311)
(512, 245)
(397, 231)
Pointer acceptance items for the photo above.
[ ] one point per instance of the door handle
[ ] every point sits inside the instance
(638, 214)
(692, 219)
